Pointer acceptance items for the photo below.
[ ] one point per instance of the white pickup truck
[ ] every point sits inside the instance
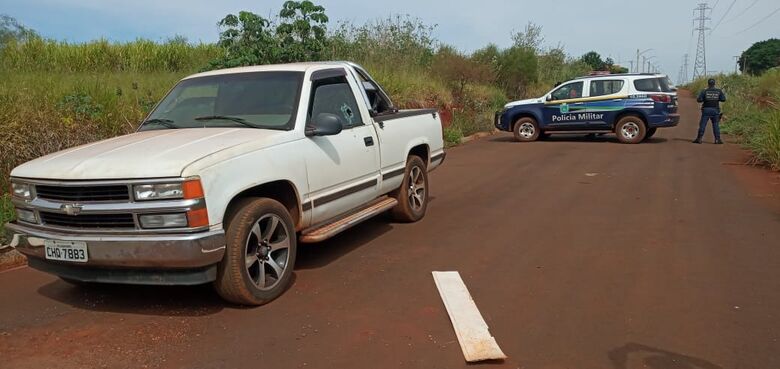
(224, 177)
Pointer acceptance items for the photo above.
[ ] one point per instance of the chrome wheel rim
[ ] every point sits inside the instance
(267, 251)
(630, 130)
(416, 188)
(527, 130)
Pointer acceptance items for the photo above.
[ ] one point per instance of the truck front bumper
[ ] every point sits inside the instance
(163, 259)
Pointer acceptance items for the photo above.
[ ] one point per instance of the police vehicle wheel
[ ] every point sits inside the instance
(526, 130)
(630, 130)
(650, 133)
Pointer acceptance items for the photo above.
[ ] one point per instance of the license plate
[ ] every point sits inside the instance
(73, 251)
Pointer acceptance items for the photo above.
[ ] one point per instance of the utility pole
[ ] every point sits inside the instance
(736, 63)
(638, 54)
(632, 65)
(685, 68)
(700, 66)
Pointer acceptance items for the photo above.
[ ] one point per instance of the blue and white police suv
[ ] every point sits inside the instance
(633, 106)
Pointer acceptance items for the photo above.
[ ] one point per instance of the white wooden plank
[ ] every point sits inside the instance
(472, 331)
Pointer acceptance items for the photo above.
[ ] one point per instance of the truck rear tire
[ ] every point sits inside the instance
(413, 195)
(526, 130)
(260, 255)
(630, 129)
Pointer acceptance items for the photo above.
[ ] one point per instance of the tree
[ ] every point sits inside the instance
(530, 38)
(518, 68)
(617, 69)
(249, 39)
(246, 39)
(12, 30)
(459, 70)
(593, 59)
(760, 57)
(301, 33)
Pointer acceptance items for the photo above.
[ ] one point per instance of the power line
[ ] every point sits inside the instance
(716, 5)
(724, 16)
(762, 20)
(743, 11)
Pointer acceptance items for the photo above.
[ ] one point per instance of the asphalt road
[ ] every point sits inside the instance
(579, 253)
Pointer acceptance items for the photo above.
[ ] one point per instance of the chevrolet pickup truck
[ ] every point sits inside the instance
(223, 179)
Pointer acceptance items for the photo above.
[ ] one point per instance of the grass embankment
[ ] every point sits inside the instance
(56, 95)
(752, 113)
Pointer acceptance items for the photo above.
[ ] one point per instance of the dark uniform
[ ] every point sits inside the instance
(710, 111)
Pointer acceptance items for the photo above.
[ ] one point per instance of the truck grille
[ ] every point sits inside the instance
(89, 221)
(84, 193)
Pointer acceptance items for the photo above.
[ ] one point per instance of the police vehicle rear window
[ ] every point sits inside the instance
(648, 85)
(666, 84)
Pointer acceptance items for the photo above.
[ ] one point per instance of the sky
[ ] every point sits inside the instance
(611, 27)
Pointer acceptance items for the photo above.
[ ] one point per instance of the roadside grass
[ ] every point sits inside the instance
(6, 215)
(41, 113)
(38, 54)
(751, 113)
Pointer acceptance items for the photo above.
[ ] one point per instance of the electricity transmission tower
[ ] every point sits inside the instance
(700, 66)
(683, 78)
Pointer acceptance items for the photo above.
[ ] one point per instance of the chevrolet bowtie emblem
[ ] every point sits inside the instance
(71, 209)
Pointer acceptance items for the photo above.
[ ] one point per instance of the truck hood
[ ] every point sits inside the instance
(537, 100)
(150, 154)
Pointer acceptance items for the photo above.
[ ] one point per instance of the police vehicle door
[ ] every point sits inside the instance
(604, 102)
(563, 105)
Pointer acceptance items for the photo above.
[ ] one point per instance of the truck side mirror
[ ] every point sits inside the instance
(324, 124)
(549, 98)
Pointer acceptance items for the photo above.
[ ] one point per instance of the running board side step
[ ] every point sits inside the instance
(331, 228)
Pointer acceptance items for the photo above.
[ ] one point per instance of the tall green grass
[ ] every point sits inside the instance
(52, 56)
(752, 112)
(6, 214)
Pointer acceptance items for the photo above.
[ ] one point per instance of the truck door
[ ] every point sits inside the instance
(561, 111)
(605, 102)
(343, 169)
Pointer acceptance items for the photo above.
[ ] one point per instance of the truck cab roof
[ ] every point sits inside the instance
(290, 67)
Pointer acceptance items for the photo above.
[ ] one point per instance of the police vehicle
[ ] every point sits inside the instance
(633, 106)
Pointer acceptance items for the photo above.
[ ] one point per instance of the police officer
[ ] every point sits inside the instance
(710, 100)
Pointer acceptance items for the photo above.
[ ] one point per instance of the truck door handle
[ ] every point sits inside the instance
(369, 141)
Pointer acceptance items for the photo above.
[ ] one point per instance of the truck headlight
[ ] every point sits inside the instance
(159, 191)
(157, 221)
(189, 189)
(21, 190)
(27, 216)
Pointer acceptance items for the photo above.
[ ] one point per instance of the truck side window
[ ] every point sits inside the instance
(568, 91)
(334, 96)
(378, 103)
(605, 87)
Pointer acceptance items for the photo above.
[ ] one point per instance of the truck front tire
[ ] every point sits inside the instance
(260, 255)
(413, 195)
(630, 130)
(526, 130)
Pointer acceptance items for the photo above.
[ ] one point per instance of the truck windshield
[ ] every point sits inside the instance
(264, 100)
